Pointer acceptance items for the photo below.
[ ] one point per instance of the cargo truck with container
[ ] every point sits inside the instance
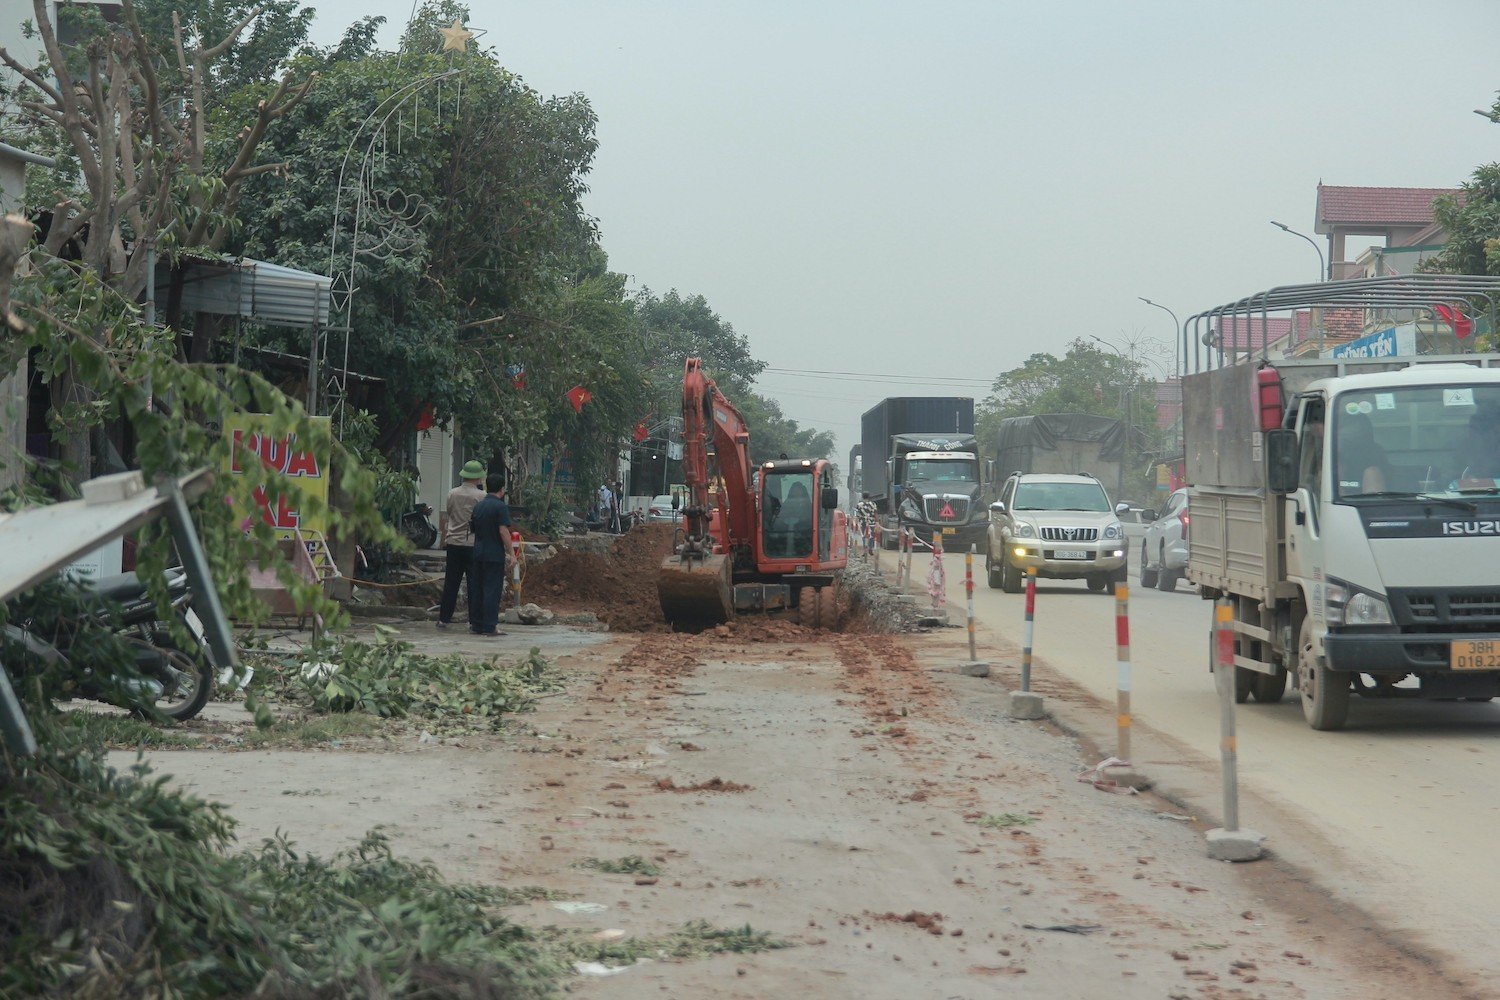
(1068, 444)
(920, 467)
(1348, 509)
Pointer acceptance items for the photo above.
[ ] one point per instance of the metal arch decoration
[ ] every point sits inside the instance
(372, 220)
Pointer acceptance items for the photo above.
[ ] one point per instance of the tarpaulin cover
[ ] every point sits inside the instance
(1019, 436)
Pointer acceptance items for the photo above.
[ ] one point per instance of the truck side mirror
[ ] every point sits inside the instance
(989, 470)
(1282, 457)
(830, 498)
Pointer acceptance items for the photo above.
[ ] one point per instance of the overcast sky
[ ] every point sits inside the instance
(942, 189)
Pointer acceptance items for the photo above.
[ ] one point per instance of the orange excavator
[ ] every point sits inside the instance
(766, 538)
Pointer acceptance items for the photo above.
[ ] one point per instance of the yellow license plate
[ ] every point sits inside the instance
(1475, 654)
(950, 531)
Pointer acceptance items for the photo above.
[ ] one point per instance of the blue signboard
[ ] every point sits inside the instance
(1398, 341)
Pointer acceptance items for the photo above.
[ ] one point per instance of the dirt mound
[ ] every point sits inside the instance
(711, 785)
(619, 588)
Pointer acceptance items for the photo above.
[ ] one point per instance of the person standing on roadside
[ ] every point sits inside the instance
(617, 501)
(458, 543)
(491, 525)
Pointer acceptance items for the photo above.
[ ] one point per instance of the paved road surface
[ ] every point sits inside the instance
(1399, 813)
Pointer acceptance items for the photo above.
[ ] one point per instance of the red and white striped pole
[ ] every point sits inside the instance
(969, 597)
(1122, 660)
(1030, 630)
(1229, 750)
(937, 579)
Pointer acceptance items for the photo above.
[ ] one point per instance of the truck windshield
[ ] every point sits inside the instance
(947, 470)
(1060, 496)
(787, 513)
(1423, 439)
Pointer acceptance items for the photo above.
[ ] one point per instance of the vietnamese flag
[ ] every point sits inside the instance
(1454, 317)
(640, 433)
(578, 395)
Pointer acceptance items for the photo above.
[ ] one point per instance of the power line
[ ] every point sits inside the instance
(906, 379)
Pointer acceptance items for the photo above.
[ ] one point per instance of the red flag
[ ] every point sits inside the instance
(1454, 317)
(578, 395)
(640, 433)
(427, 419)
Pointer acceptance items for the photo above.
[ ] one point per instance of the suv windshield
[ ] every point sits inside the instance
(1424, 439)
(1061, 496)
(946, 470)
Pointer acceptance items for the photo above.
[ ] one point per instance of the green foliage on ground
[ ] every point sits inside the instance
(631, 864)
(388, 678)
(113, 885)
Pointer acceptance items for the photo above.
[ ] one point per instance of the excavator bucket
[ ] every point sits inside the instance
(695, 589)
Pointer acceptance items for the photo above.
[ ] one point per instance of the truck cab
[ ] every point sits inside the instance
(1358, 542)
(941, 492)
(1393, 537)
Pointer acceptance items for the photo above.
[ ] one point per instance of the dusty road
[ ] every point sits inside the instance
(871, 808)
(1396, 814)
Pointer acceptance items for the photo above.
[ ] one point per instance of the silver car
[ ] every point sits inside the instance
(661, 509)
(1062, 526)
(1164, 549)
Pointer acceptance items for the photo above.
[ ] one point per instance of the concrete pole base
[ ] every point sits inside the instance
(1026, 705)
(1237, 845)
(933, 619)
(1128, 778)
(975, 668)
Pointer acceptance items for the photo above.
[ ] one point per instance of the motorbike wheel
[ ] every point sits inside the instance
(420, 532)
(187, 679)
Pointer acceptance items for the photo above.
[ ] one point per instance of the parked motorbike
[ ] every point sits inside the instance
(416, 525)
(173, 681)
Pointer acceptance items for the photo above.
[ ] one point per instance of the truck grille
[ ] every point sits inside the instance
(1451, 610)
(1070, 534)
(957, 509)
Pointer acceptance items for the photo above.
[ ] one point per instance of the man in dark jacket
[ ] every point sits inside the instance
(491, 525)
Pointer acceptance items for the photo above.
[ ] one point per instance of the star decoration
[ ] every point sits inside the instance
(456, 38)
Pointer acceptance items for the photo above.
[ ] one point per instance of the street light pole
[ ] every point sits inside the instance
(1177, 334)
(1324, 274)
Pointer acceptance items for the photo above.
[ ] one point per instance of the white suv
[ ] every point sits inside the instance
(1064, 526)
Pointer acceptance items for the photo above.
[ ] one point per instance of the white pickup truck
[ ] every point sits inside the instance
(1359, 541)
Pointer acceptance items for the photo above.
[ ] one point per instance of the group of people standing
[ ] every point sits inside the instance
(610, 499)
(476, 537)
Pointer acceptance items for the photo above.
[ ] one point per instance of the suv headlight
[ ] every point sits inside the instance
(1113, 530)
(1024, 530)
(1348, 605)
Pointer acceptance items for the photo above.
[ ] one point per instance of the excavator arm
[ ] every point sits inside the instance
(695, 582)
(706, 414)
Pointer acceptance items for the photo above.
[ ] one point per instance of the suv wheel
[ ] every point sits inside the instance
(1166, 579)
(1010, 576)
(1148, 572)
(994, 574)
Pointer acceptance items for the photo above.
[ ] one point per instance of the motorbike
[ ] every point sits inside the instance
(172, 681)
(416, 525)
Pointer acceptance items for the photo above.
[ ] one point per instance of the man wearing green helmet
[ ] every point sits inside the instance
(458, 543)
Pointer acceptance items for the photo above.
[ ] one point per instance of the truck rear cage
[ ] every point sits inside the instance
(1203, 344)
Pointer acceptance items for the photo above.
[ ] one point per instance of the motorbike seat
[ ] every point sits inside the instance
(119, 588)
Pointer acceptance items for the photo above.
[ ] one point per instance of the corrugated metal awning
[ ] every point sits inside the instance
(255, 290)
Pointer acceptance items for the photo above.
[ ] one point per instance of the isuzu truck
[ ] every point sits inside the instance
(1350, 511)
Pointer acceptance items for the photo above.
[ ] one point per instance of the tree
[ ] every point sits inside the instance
(1087, 379)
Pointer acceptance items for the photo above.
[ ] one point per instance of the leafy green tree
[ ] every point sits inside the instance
(1086, 379)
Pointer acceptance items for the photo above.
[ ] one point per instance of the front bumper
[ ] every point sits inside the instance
(1100, 557)
(953, 534)
(1396, 652)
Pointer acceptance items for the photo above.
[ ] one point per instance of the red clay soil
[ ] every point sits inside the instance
(620, 588)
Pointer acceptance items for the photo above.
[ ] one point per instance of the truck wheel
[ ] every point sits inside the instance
(1148, 572)
(994, 575)
(1325, 694)
(1244, 683)
(1010, 576)
(1268, 688)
